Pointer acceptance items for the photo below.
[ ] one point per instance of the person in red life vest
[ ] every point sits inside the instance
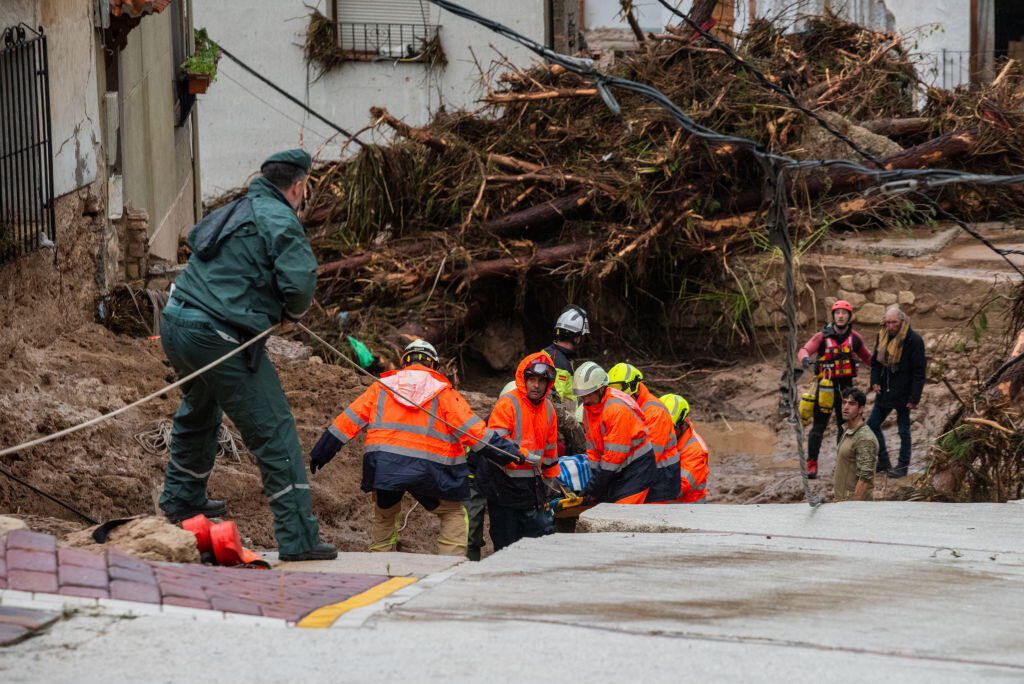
(414, 448)
(517, 493)
(832, 353)
(620, 457)
(660, 431)
(693, 452)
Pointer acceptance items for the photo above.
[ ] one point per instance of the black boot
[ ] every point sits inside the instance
(211, 508)
(322, 551)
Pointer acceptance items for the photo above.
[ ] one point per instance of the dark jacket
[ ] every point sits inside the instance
(905, 385)
(251, 263)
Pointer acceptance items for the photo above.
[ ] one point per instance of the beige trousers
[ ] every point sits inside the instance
(451, 540)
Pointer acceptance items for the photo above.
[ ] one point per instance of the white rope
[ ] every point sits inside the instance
(157, 440)
(154, 395)
(414, 505)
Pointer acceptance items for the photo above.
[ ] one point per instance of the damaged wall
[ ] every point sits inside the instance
(243, 121)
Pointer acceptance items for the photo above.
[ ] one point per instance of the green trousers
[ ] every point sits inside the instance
(255, 403)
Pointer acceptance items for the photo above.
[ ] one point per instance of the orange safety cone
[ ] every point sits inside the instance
(228, 549)
(200, 527)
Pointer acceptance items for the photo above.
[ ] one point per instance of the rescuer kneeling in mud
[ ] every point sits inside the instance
(517, 493)
(693, 452)
(251, 267)
(832, 354)
(857, 454)
(660, 430)
(416, 428)
(620, 457)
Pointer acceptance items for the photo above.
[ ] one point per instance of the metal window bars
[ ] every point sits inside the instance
(397, 42)
(26, 144)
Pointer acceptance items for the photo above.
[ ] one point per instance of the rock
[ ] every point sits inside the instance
(948, 482)
(876, 280)
(801, 318)
(761, 318)
(905, 297)
(855, 298)
(951, 311)
(293, 351)
(925, 303)
(818, 143)
(315, 359)
(870, 314)
(884, 298)
(862, 282)
(8, 524)
(502, 345)
(148, 537)
(829, 301)
(846, 282)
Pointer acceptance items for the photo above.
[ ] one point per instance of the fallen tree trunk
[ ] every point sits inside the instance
(505, 98)
(891, 127)
(541, 213)
(351, 263)
(927, 154)
(545, 255)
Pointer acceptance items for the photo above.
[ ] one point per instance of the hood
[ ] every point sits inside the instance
(830, 331)
(417, 382)
(261, 187)
(521, 374)
(610, 392)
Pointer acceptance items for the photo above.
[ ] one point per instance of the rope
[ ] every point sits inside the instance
(288, 95)
(157, 440)
(143, 400)
(406, 522)
(395, 392)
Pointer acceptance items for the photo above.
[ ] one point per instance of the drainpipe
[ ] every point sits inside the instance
(197, 186)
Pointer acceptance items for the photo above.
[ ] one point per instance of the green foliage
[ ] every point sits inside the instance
(204, 59)
(957, 443)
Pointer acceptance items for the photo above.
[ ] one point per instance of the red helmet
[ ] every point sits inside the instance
(843, 304)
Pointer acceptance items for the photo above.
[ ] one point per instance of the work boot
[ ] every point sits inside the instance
(812, 469)
(322, 551)
(473, 553)
(212, 508)
(898, 472)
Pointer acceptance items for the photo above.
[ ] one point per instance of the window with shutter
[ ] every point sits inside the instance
(384, 29)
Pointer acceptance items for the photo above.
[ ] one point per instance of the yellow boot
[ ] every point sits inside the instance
(452, 539)
(384, 532)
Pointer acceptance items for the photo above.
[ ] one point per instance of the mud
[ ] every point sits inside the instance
(149, 537)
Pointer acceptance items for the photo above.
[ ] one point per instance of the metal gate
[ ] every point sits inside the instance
(26, 144)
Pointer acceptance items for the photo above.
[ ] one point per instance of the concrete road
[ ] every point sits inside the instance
(743, 605)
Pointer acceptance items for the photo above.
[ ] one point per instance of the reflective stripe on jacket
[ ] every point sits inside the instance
(661, 433)
(535, 429)
(407, 449)
(621, 458)
(693, 461)
(563, 372)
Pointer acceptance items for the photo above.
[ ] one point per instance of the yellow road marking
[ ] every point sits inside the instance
(326, 615)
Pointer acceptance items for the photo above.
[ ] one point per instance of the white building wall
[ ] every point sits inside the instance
(938, 30)
(242, 121)
(74, 105)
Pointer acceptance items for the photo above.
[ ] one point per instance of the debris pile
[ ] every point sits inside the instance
(630, 212)
(980, 455)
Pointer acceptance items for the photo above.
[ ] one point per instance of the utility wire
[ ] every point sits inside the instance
(288, 95)
(272, 107)
(48, 496)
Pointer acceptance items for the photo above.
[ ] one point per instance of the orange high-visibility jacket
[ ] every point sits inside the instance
(621, 459)
(534, 428)
(407, 449)
(661, 433)
(693, 461)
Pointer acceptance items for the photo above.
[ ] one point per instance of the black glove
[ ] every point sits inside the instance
(254, 353)
(806, 363)
(326, 449)
(496, 449)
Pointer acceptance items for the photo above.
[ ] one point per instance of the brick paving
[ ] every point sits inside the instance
(19, 623)
(31, 562)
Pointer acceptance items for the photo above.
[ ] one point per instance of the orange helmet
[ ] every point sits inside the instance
(843, 304)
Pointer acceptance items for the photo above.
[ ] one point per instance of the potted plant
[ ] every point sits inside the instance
(201, 67)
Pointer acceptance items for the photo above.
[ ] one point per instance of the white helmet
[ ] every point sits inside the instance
(418, 350)
(509, 386)
(589, 377)
(573, 320)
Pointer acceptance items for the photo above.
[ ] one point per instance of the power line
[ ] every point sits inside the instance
(288, 95)
(270, 106)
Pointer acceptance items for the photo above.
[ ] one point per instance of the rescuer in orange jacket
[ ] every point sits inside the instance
(693, 452)
(411, 450)
(621, 459)
(660, 431)
(517, 492)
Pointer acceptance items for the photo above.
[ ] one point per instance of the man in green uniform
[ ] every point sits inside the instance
(251, 267)
(857, 453)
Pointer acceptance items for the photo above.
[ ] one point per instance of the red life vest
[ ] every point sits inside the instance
(837, 361)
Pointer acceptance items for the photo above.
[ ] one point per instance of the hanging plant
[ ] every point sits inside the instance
(201, 67)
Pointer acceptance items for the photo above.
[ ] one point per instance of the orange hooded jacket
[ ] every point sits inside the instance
(621, 459)
(661, 433)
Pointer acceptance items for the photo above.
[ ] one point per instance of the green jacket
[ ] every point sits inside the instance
(251, 264)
